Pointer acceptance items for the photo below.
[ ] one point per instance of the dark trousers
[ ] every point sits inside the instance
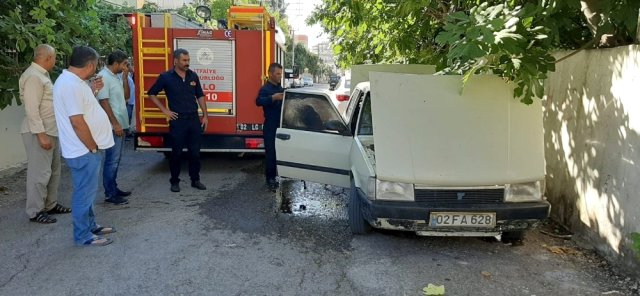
(271, 170)
(185, 132)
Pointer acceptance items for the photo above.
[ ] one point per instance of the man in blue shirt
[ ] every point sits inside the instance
(111, 98)
(184, 94)
(270, 98)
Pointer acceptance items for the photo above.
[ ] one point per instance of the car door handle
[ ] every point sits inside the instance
(283, 136)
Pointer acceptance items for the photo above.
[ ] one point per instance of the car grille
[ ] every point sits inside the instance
(460, 196)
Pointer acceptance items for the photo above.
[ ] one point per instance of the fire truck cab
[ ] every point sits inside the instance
(231, 63)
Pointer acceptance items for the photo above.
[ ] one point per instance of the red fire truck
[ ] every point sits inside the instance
(232, 66)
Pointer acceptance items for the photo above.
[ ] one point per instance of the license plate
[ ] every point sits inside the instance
(458, 219)
(250, 127)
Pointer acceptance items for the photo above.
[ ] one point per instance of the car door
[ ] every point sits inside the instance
(313, 141)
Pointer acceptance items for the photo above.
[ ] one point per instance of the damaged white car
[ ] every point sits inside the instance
(421, 156)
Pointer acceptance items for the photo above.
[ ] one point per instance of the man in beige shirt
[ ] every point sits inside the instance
(40, 137)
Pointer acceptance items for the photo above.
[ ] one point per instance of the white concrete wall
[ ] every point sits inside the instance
(360, 73)
(12, 152)
(592, 147)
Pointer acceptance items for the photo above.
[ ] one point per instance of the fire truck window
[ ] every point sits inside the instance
(308, 112)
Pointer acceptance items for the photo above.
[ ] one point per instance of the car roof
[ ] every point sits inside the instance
(363, 86)
(313, 91)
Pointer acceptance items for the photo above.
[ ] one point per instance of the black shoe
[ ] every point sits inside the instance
(122, 193)
(175, 187)
(59, 209)
(43, 218)
(197, 184)
(116, 200)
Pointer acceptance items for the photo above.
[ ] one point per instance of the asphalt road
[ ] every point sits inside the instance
(234, 239)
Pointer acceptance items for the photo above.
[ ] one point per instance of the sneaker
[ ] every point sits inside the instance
(122, 193)
(116, 200)
(175, 187)
(197, 184)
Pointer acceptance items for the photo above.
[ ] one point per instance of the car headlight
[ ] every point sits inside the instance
(523, 192)
(386, 190)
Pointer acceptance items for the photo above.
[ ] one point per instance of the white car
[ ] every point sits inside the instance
(420, 156)
(297, 82)
(308, 81)
(342, 93)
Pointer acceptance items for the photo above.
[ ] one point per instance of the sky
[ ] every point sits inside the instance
(298, 11)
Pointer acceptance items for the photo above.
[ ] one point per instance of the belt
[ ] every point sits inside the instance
(187, 115)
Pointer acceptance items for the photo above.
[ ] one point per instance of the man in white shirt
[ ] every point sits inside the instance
(85, 131)
(40, 137)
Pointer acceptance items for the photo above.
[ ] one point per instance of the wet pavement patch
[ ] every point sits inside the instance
(314, 217)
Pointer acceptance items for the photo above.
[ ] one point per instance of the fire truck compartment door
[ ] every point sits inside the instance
(214, 62)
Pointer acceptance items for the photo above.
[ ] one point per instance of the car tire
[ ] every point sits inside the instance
(357, 223)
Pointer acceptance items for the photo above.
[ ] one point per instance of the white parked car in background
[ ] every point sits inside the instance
(308, 81)
(297, 82)
(343, 90)
(342, 93)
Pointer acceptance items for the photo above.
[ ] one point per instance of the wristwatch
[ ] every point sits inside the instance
(94, 150)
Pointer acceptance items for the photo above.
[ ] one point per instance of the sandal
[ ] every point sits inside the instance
(59, 209)
(102, 230)
(97, 241)
(43, 218)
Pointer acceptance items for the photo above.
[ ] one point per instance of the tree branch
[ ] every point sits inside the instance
(588, 44)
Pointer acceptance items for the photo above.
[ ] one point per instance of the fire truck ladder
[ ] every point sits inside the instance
(151, 53)
(254, 17)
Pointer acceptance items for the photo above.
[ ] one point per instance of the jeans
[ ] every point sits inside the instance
(111, 163)
(185, 132)
(85, 172)
(130, 111)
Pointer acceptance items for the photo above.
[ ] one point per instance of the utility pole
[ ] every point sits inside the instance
(293, 47)
(638, 30)
(320, 62)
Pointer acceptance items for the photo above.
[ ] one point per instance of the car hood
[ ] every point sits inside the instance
(427, 132)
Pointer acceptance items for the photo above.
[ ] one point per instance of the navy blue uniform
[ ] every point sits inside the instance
(272, 110)
(185, 131)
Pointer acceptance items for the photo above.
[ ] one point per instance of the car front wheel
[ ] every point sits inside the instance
(357, 223)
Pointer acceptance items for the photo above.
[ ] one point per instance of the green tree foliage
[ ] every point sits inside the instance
(304, 59)
(512, 38)
(220, 8)
(62, 24)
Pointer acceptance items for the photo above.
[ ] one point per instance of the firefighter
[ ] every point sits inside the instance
(184, 94)
(270, 98)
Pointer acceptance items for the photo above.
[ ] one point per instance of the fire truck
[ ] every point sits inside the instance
(231, 64)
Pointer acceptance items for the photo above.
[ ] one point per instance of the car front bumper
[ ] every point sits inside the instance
(415, 216)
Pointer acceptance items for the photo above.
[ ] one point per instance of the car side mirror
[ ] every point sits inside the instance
(336, 125)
